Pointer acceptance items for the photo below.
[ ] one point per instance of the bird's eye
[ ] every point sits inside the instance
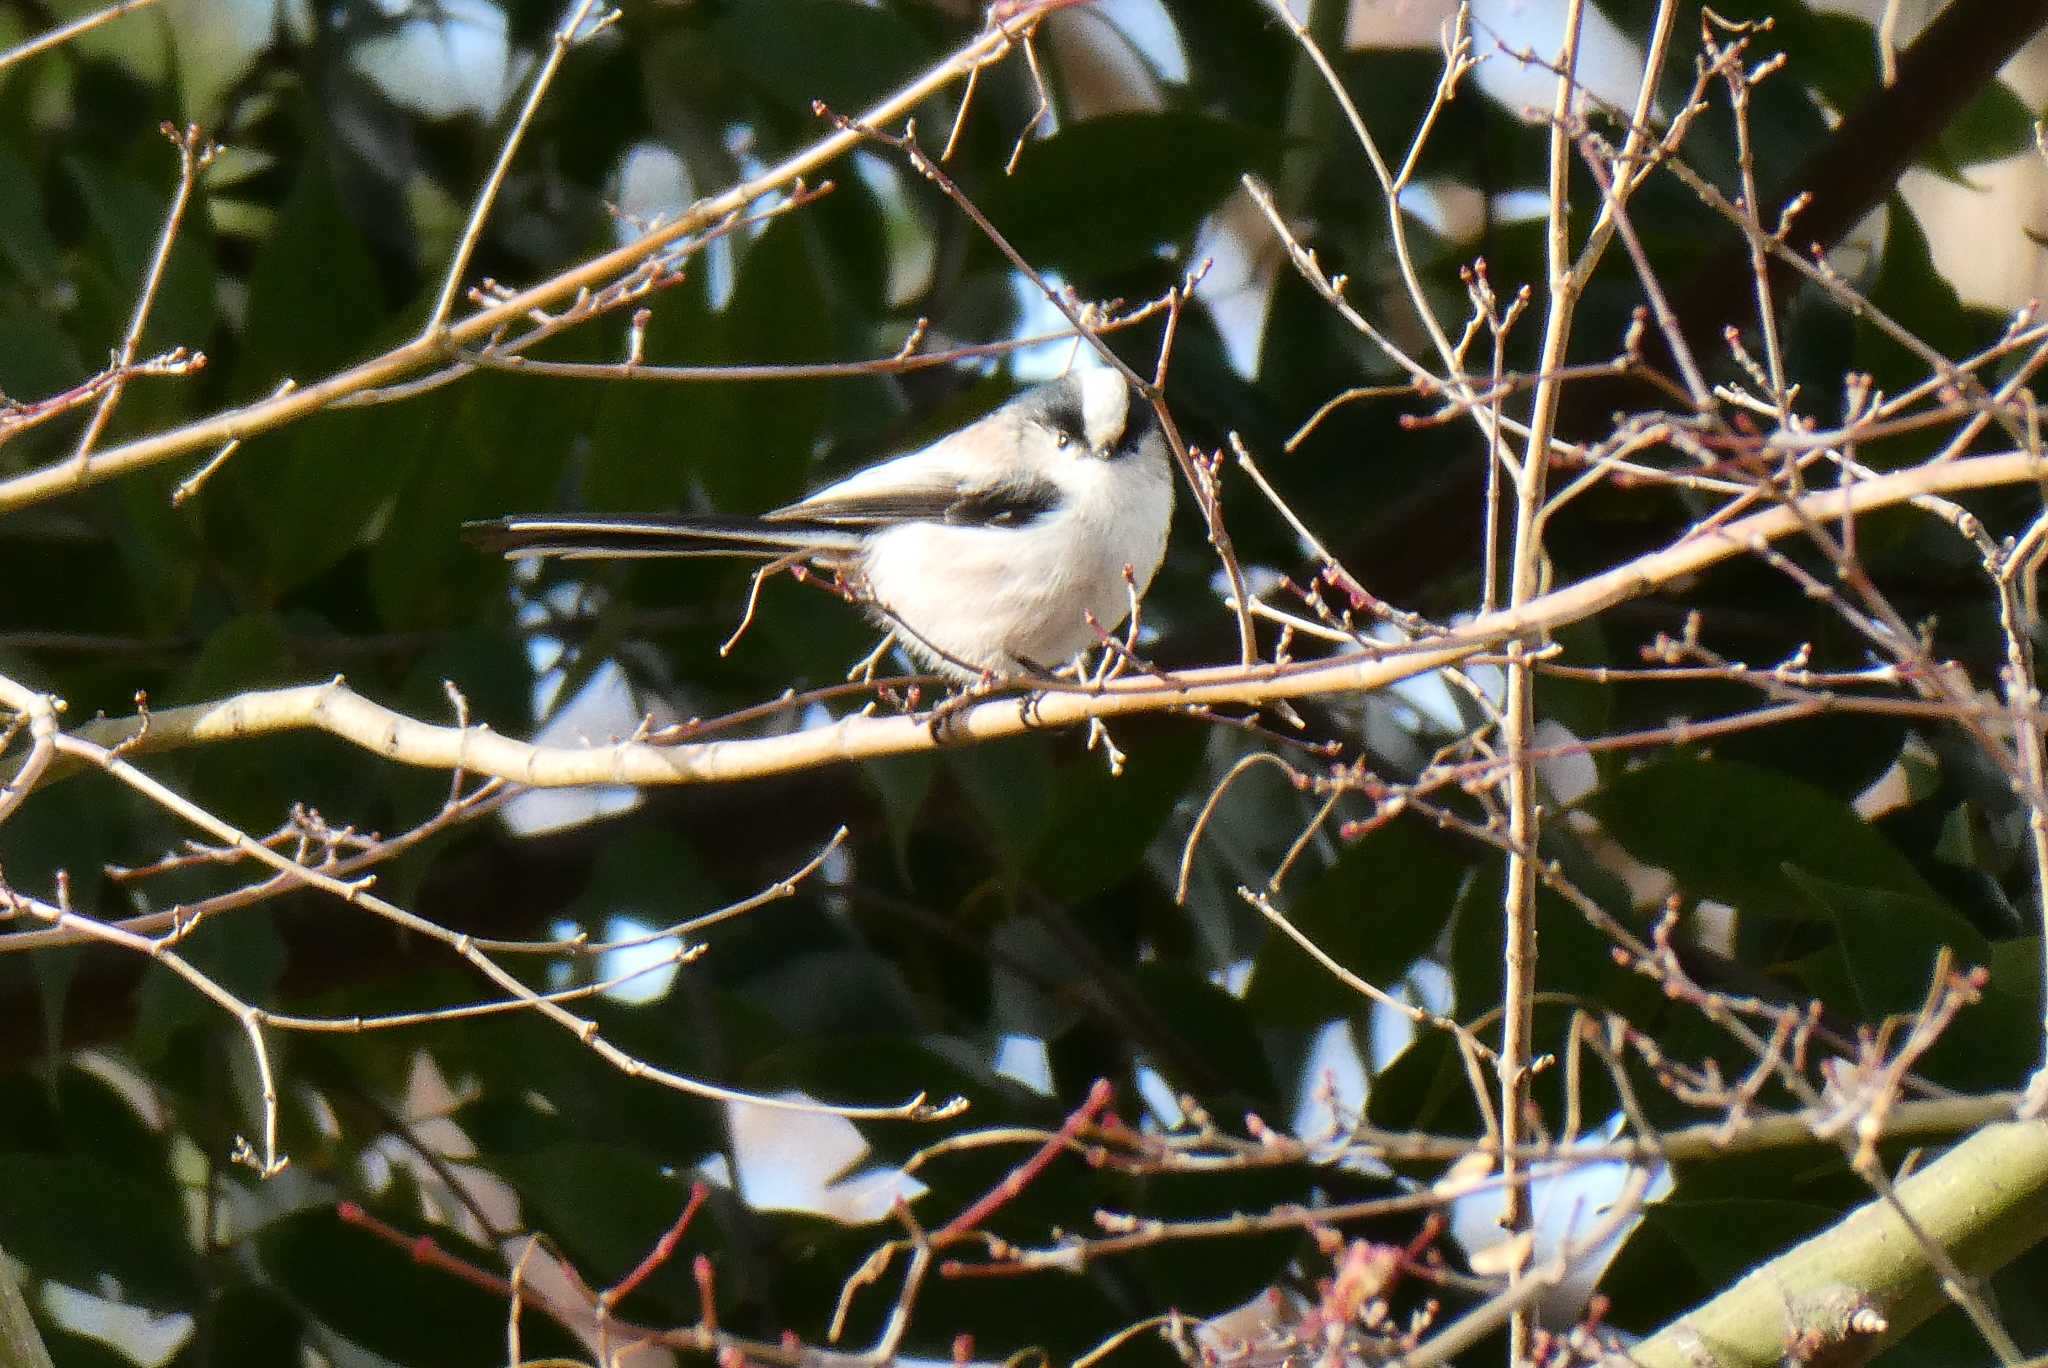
(1062, 440)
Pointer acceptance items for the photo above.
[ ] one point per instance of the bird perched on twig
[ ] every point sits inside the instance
(986, 554)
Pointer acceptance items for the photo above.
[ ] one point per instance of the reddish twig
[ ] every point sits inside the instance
(663, 1249)
(422, 1250)
(1021, 1176)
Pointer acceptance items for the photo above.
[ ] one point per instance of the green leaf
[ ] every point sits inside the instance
(1997, 1040)
(1109, 193)
(128, 217)
(358, 1284)
(1909, 286)
(25, 241)
(1215, 1028)
(214, 42)
(1375, 910)
(580, 1094)
(490, 667)
(314, 297)
(246, 652)
(747, 444)
(251, 1326)
(1723, 1237)
(159, 548)
(68, 827)
(1425, 1088)
(78, 1219)
(141, 50)
(1884, 948)
(503, 453)
(838, 51)
(329, 489)
(1010, 783)
(1102, 825)
(1477, 943)
(73, 1350)
(36, 358)
(1966, 839)
(1728, 831)
(1995, 124)
(1836, 53)
(1686, 1250)
(1838, 753)
(766, 456)
(55, 968)
(98, 1120)
(28, 1113)
(900, 783)
(607, 1207)
(650, 875)
(243, 957)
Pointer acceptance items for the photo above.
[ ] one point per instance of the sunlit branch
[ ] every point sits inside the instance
(195, 154)
(573, 30)
(358, 892)
(401, 362)
(334, 708)
(64, 33)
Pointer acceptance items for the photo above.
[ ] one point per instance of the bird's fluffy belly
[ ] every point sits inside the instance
(1008, 597)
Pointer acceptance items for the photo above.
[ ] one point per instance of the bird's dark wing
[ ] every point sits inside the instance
(1008, 503)
(828, 526)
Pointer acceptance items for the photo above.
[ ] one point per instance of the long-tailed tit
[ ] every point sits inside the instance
(985, 553)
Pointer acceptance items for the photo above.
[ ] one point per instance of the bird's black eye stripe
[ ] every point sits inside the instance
(1063, 418)
(1011, 504)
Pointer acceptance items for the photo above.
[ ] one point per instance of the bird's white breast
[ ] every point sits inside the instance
(998, 598)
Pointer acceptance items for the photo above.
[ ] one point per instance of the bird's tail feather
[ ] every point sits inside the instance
(634, 537)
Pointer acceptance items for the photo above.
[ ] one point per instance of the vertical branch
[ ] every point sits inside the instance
(1457, 61)
(1500, 461)
(195, 154)
(2023, 697)
(1632, 165)
(567, 36)
(1742, 84)
(1519, 717)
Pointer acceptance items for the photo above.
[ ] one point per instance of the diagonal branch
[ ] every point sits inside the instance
(333, 707)
(1985, 1202)
(446, 345)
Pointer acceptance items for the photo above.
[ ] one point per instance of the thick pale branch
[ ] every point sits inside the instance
(334, 708)
(1985, 1202)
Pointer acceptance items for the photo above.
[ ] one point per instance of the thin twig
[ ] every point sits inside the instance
(420, 354)
(571, 32)
(64, 33)
(195, 154)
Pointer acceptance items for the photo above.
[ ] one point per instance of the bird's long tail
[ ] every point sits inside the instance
(589, 538)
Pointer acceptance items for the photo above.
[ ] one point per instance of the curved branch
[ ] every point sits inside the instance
(335, 708)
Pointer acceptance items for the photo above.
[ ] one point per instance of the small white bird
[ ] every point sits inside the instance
(985, 553)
